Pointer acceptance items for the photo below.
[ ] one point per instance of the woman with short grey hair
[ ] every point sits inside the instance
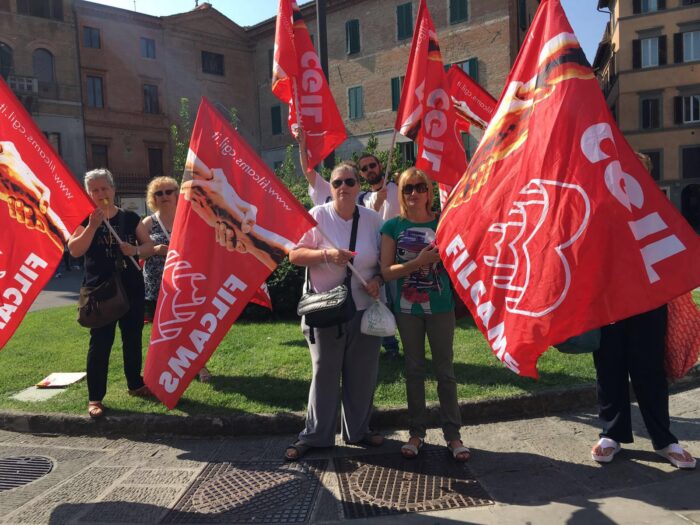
(104, 255)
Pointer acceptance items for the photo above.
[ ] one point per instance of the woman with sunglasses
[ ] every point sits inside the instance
(424, 305)
(340, 351)
(161, 197)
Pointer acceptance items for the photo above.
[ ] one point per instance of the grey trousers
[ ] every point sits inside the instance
(352, 357)
(440, 330)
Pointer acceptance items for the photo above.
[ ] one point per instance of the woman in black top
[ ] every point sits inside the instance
(102, 254)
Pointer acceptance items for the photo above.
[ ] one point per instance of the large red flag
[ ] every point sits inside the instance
(297, 67)
(234, 224)
(426, 114)
(556, 228)
(43, 206)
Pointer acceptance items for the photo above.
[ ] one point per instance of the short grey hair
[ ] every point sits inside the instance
(99, 173)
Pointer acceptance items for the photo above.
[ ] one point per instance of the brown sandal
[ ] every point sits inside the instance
(96, 409)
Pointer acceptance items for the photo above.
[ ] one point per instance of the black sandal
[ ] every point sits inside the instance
(300, 447)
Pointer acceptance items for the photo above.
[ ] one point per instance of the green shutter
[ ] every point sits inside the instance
(473, 68)
(395, 93)
(404, 19)
(352, 36)
(276, 117)
(356, 110)
(459, 11)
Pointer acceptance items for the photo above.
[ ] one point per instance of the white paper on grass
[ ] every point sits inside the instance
(60, 379)
(378, 320)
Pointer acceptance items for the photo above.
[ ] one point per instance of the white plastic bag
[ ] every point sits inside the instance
(378, 320)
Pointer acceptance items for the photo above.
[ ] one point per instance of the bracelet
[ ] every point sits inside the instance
(380, 278)
(325, 256)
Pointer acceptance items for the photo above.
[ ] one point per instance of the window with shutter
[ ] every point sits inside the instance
(459, 11)
(650, 113)
(352, 37)
(355, 103)
(404, 21)
(276, 119)
(396, 87)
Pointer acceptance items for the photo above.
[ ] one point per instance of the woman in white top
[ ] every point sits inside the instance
(341, 351)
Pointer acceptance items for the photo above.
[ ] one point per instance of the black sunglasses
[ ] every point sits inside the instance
(160, 193)
(366, 167)
(337, 183)
(421, 187)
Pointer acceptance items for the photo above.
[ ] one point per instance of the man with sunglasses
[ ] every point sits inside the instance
(382, 198)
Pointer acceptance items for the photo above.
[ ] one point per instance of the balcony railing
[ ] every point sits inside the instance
(23, 85)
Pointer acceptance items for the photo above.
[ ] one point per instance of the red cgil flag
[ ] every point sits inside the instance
(299, 82)
(43, 204)
(426, 114)
(556, 228)
(234, 224)
(473, 107)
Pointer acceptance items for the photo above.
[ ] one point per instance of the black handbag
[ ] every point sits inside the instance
(105, 303)
(336, 306)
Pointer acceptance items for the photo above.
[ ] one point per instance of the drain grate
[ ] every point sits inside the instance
(21, 470)
(378, 485)
(243, 492)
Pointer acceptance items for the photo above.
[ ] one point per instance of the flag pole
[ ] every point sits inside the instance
(116, 236)
(352, 268)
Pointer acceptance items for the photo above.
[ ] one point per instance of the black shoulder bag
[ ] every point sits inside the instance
(336, 306)
(103, 304)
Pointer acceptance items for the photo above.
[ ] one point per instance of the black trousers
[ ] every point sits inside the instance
(634, 349)
(101, 340)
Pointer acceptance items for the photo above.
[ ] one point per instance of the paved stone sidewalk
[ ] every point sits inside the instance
(536, 471)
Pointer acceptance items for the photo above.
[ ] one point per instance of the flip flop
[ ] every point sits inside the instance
(410, 451)
(461, 449)
(675, 448)
(301, 449)
(604, 444)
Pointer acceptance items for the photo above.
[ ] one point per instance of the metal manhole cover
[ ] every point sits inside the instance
(377, 485)
(242, 492)
(21, 470)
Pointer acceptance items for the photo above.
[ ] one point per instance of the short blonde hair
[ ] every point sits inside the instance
(403, 180)
(154, 185)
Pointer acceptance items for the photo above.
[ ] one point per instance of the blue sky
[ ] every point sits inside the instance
(586, 21)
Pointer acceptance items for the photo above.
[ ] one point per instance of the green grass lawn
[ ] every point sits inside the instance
(259, 367)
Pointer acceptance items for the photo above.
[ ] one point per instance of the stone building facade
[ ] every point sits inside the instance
(648, 64)
(39, 61)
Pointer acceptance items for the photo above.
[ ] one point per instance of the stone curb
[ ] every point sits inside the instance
(526, 406)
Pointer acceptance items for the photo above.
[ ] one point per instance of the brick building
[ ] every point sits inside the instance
(648, 64)
(39, 61)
